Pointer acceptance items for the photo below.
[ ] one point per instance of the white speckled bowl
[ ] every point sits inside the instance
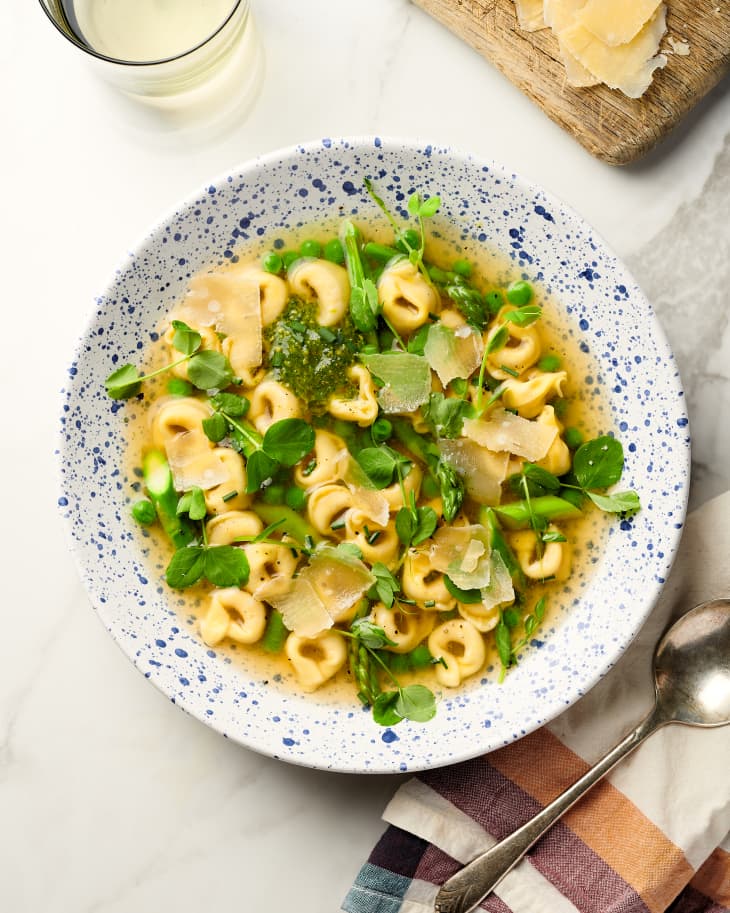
(604, 310)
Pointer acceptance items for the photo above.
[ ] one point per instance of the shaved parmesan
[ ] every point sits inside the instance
(616, 22)
(365, 496)
(301, 607)
(680, 48)
(483, 471)
(499, 590)
(193, 462)
(235, 306)
(530, 15)
(325, 590)
(559, 14)
(453, 353)
(406, 380)
(506, 432)
(339, 580)
(575, 72)
(462, 553)
(628, 67)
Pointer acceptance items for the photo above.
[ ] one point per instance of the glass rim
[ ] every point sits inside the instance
(120, 61)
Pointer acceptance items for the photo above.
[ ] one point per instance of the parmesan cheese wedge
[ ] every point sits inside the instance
(483, 471)
(628, 67)
(559, 14)
(236, 307)
(529, 15)
(616, 22)
(194, 463)
(508, 433)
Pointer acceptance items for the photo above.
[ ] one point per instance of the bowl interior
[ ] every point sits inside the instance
(636, 383)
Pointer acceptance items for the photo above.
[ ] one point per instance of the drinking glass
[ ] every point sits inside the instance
(169, 53)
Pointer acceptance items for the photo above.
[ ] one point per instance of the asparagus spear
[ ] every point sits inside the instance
(275, 634)
(158, 482)
(451, 485)
(364, 305)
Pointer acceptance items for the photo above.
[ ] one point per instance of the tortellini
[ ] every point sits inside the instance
(325, 282)
(529, 396)
(272, 402)
(177, 415)
(377, 543)
(327, 506)
(362, 408)
(521, 351)
(235, 614)
(461, 647)
(406, 296)
(424, 584)
(320, 467)
(267, 561)
(315, 660)
(231, 494)
(557, 460)
(404, 625)
(233, 526)
(555, 560)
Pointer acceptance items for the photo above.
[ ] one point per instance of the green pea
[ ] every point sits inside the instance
(273, 494)
(295, 498)
(519, 292)
(561, 407)
(176, 386)
(462, 268)
(310, 248)
(288, 257)
(272, 262)
(144, 512)
(573, 438)
(549, 363)
(381, 430)
(333, 251)
(438, 275)
(409, 239)
(494, 301)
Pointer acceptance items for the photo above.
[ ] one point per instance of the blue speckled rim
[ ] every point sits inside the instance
(637, 375)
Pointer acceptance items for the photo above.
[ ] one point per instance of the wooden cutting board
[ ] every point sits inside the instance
(611, 126)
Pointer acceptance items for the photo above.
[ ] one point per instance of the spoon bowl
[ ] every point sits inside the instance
(692, 686)
(692, 667)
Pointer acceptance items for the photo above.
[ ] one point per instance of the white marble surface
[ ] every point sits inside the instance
(111, 799)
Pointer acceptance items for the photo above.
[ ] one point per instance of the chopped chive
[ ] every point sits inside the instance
(309, 468)
(373, 537)
(229, 496)
(308, 543)
(407, 601)
(338, 524)
(510, 371)
(429, 603)
(326, 334)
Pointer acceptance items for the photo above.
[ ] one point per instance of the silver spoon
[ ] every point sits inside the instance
(692, 686)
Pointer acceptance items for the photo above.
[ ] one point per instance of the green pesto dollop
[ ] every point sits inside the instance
(309, 359)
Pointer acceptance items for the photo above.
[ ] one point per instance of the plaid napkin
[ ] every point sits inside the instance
(653, 836)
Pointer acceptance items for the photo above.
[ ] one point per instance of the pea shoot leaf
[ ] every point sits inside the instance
(186, 567)
(226, 565)
(552, 535)
(426, 208)
(192, 503)
(385, 586)
(380, 464)
(466, 597)
(232, 404)
(209, 370)
(417, 341)
(538, 480)
(416, 703)
(599, 463)
(288, 441)
(405, 525)
(371, 635)
(259, 467)
(415, 524)
(215, 427)
(498, 341)
(445, 415)
(350, 550)
(185, 339)
(617, 503)
(384, 712)
(524, 316)
(123, 383)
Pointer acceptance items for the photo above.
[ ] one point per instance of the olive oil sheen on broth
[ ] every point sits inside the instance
(145, 30)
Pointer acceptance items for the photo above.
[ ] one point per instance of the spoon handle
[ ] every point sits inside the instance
(464, 890)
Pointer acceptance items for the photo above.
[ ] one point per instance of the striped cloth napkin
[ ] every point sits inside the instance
(653, 836)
